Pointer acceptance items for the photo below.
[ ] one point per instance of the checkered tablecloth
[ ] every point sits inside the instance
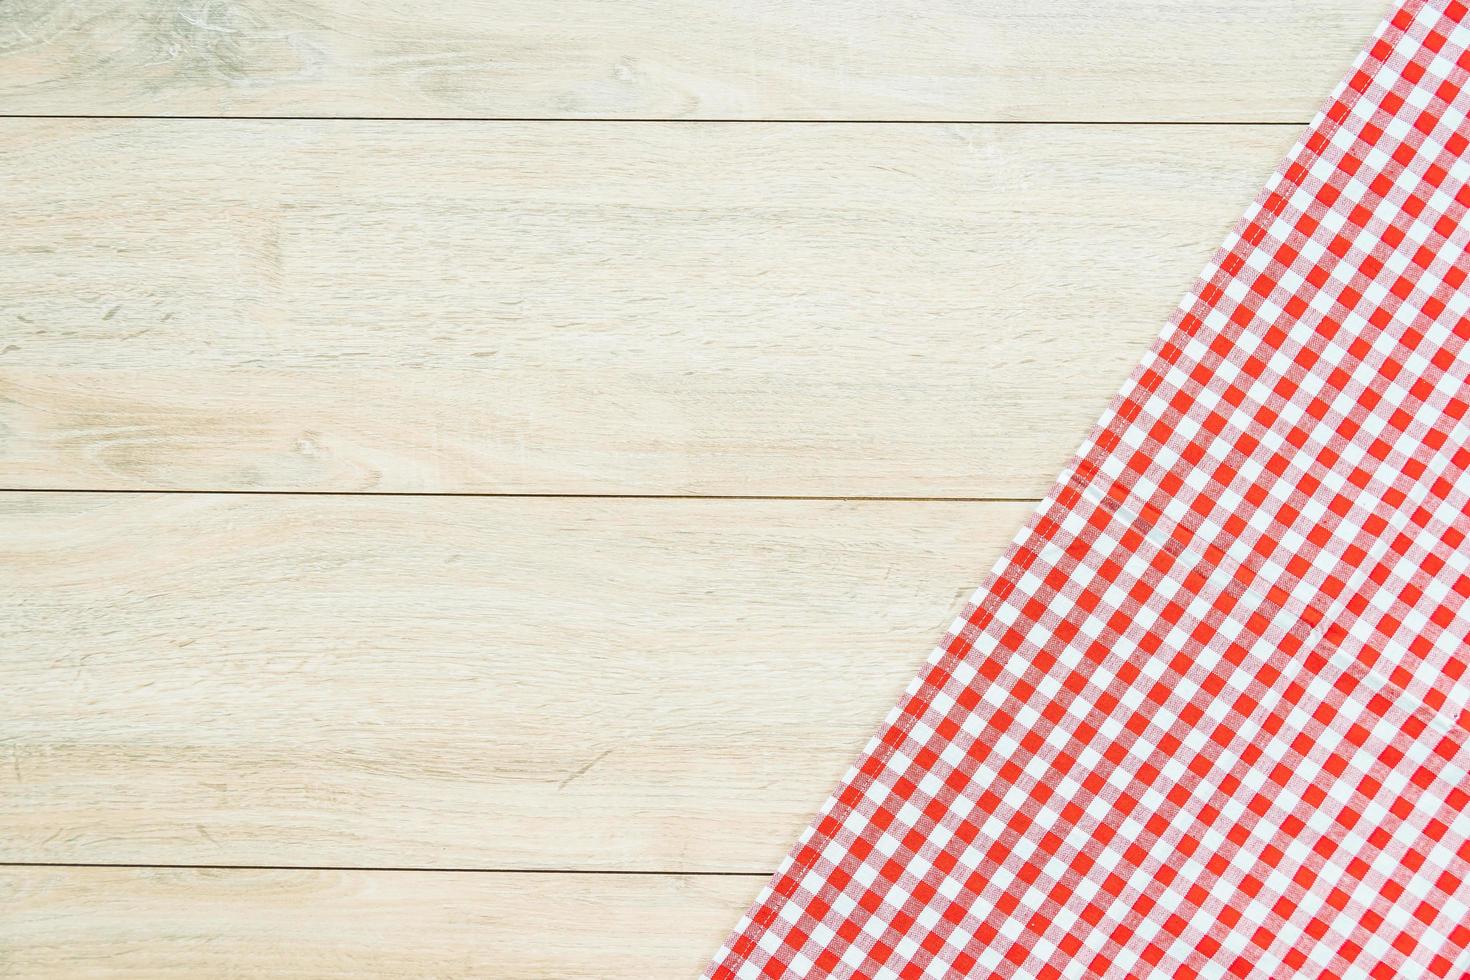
(1208, 717)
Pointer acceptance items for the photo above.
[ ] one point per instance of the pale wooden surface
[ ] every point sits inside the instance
(351, 682)
(162, 924)
(455, 682)
(839, 310)
(1248, 60)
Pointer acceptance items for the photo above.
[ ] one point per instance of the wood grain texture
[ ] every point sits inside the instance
(162, 923)
(830, 310)
(1271, 60)
(365, 681)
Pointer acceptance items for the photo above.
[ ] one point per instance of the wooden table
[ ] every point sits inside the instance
(473, 477)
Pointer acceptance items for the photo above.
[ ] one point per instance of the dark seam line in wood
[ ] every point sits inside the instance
(403, 870)
(837, 498)
(655, 119)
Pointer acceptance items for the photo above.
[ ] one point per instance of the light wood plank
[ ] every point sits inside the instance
(364, 681)
(838, 59)
(158, 924)
(843, 310)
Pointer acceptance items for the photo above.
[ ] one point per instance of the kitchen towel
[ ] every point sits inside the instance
(1208, 717)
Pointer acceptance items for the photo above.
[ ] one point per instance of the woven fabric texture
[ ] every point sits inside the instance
(1208, 717)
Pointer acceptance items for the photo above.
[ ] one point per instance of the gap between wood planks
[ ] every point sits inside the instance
(686, 120)
(832, 498)
(387, 868)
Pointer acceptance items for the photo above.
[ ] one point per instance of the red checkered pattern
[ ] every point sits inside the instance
(1210, 714)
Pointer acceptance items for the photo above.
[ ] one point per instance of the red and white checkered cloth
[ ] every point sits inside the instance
(1210, 714)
